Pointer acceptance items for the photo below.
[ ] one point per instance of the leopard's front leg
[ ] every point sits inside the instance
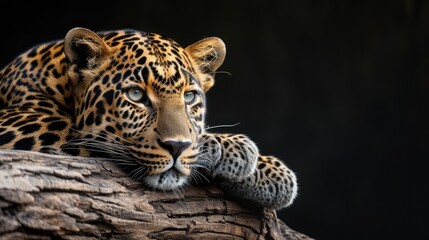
(233, 161)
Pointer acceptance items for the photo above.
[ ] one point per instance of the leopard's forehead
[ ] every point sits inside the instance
(153, 57)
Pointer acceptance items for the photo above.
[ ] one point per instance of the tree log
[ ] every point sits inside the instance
(46, 196)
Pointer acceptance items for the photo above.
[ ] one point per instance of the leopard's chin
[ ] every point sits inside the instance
(167, 181)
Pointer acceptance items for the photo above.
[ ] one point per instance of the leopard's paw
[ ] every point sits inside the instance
(229, 156)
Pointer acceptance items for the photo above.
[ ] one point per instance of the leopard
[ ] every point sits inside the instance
(138, 99)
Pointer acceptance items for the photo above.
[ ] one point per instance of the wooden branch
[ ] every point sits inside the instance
(48, 196)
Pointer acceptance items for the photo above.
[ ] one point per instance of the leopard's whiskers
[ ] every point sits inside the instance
(222, 126)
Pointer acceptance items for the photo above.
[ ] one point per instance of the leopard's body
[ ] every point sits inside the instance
(137, 98)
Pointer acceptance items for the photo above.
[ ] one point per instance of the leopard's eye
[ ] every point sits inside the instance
(190, 97)
(136, 94)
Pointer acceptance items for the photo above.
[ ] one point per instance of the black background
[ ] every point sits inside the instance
(337, 89)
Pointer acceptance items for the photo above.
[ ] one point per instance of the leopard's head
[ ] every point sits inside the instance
(140, 99)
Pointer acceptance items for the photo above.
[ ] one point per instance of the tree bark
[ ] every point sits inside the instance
(62, 197)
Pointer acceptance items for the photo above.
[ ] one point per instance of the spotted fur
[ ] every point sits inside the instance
(139, 99)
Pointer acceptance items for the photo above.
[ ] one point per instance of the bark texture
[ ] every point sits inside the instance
(61, 197)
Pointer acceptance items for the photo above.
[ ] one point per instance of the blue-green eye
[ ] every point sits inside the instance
(190, 97)
(136, 94)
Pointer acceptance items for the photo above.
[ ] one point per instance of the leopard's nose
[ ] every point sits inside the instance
(175, 148)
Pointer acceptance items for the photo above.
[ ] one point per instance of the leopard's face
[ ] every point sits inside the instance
(140, 99)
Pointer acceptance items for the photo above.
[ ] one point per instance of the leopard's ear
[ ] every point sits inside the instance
(85, 48)
(208, 54)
